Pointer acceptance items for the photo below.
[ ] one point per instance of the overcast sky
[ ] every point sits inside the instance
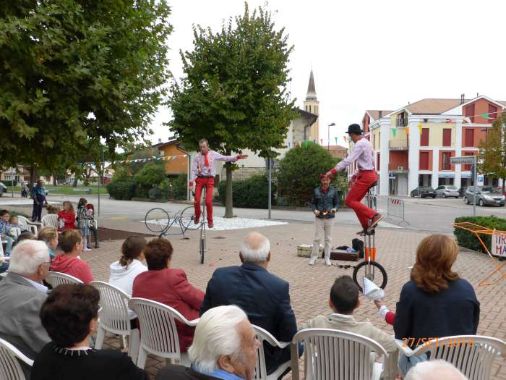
(369, 54)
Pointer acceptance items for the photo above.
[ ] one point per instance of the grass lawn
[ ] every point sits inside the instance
(67, 190)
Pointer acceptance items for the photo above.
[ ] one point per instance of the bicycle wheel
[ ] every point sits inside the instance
(187, 219)
(372, 271)
(157, 220)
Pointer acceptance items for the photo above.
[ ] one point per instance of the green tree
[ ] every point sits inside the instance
(74, 71)
(234, 90)
(299, 172)
(493, 151)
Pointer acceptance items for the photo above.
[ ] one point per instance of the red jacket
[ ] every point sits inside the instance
(73, 266)
(68, 218)
(171, 287)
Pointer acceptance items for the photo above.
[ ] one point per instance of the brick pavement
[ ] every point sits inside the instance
(309, 286)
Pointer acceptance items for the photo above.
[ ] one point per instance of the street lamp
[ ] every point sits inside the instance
(328, 135)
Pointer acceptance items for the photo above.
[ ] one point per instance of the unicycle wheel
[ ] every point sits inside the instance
(372, 271)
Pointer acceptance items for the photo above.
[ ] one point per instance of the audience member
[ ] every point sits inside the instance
(21, 296)
(434, 370)
(16, 228)
(125, 270)
(344, 301)
(25, 235)
(224, 347)
(263, 296)
(70, 317)
(436, 302)
(50, 209)
(169, 286)
(69, 261)
(66, 217)
(5, 231)
(38, 194)
(49, 235)
(83, 222)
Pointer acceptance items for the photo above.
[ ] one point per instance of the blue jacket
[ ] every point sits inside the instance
(324, 201)
(420, 315)
(263, 296)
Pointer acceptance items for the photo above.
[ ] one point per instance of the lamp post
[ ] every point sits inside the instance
(328, 135)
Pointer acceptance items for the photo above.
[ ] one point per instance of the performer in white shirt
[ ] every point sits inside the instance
(366, 177)
(202, 174)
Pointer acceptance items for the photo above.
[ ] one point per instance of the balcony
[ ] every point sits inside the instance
(398, 144)
(395, 168)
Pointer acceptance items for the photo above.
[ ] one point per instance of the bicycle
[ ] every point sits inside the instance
(372, 270)
(158, 220)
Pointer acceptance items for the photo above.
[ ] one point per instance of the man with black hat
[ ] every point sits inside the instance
(364, 179)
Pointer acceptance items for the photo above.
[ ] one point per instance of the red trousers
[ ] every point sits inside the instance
(363, 181)
(208, 183)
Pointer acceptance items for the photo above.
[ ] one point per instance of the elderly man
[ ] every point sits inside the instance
(434, 370)
(263, 296)
(22, 295)
(224, 347)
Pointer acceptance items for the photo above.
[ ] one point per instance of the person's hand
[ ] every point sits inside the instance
(316, 212)
(378, 303)
(333, 211)
(242, 156)
(190, 185)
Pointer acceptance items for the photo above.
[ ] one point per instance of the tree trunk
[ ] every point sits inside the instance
(33, 174)
(54, 179)
(229, 212)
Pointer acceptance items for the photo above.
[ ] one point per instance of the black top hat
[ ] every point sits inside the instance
(354, 128)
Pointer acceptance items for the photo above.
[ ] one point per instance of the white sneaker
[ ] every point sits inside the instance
(327, 262)
(312, 260)
(87, 249)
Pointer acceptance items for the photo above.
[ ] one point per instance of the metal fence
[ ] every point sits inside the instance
(395, 208)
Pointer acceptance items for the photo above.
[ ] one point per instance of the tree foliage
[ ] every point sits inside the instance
(299, 172)
(493, 150)
(234, 90)
(76, 72)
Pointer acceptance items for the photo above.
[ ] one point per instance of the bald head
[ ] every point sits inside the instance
(434, 370)
(255, 248)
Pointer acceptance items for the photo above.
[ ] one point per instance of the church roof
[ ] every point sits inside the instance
(311, 90)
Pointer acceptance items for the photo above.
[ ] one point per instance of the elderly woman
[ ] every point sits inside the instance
(49, 235)
(169, 286)
(436, 302)
(69, 316)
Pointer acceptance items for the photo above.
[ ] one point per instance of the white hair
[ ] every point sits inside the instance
(27, 256)
(433, 370)
(216, 334)
(255, 248)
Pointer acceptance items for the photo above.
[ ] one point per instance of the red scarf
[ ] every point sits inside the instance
(206, 161)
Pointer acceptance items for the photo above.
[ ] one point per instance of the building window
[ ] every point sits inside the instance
(469, 137)
(424, 139)
(424, 160)
(469, 112)
(492, 113)
(445, 160)
(447, 137)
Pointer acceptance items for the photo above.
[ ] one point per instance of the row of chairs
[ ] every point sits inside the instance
(328, 354)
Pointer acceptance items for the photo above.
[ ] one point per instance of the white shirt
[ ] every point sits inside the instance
(362, 153)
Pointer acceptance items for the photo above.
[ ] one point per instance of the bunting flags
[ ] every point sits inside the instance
(336, 140)
(394, 131)
(420, 127)
(345, 138)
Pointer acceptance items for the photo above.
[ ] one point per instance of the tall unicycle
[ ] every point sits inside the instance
(203, 243)
(370, 268)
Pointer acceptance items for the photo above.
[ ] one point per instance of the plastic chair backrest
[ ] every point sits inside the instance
(334, 354)
(56, 278)
(10, 369)
(49, 220)
(114, 308)
(264, 336)
(158, 327)
(471, 354)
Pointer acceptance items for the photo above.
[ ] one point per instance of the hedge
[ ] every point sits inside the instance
(248, 193)
(469, 240)
(122, 190)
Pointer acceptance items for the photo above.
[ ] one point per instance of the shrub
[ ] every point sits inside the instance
(152, 173)
(299, 172)
(249, 193)
(122, 190)
(174, 187)
(10, 182)
(469, 240)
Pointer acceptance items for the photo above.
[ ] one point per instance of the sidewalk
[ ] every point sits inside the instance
(309, 286)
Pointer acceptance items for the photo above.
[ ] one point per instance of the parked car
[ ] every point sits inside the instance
(423, 191)
(447, 191)
(3, 188)
(462, 191)
(485, 196)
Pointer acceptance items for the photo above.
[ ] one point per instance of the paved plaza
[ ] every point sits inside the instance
(309, 286)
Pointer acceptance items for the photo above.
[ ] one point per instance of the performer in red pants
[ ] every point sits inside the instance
(361, 182)
(202, 175)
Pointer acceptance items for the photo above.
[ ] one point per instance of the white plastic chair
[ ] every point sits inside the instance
(10, 369)
(158, 331)
(334, 354)
(114, 317)
(28, 225)
(49, 220)
(56, 278)
(471, 354)
(261, 369)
